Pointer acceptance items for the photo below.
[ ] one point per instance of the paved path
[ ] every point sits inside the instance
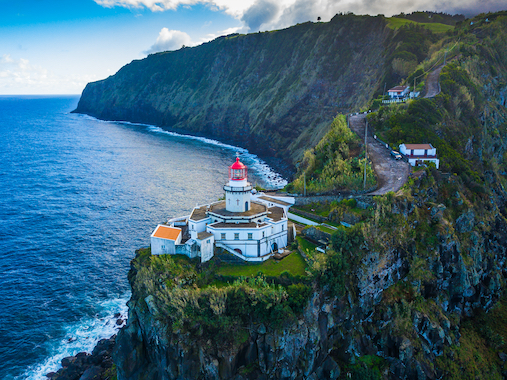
(391, 174)
(432, 85)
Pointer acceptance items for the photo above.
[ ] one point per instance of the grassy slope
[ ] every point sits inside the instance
(395, 23)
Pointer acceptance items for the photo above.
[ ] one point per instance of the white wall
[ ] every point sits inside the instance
(235, 201)
(199, 226)
(300, 219)
(161, 246)
(207, 246)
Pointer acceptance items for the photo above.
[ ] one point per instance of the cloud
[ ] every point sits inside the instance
(169, 40)
(19, 76)
(153, 5)
(266, 14)
(262, 12)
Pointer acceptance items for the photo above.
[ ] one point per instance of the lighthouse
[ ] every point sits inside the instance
(237, 190)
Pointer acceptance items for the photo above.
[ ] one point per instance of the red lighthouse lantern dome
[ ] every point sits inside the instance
(237, 171)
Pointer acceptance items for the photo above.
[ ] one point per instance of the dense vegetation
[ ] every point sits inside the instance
(436, 209)
(199, 300)
(334, 164)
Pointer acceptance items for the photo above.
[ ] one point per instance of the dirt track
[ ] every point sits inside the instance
(391, 174)
(432, 86)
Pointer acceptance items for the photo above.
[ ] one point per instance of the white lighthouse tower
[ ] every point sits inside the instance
(237, 190)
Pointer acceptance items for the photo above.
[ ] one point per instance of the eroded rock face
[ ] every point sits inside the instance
(146, 350)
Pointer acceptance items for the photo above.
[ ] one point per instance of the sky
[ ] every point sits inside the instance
(58, 46)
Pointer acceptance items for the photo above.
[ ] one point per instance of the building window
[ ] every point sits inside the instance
(250, 237)
(282, 227)
(222, 236)
(236, 236)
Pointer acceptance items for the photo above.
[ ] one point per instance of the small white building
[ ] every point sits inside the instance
(164, 240)
(419, 153)
(398, 92)
(250, 226)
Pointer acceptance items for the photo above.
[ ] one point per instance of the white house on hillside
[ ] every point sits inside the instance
(250, 226)
(419, 153)
(398, 92)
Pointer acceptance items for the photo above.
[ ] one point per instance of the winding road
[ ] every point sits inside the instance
(391, 174)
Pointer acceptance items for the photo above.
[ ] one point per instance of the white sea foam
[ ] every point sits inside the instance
(272, 179)
(81, 337)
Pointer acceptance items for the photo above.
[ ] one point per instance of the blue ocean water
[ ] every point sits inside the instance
(77, 197)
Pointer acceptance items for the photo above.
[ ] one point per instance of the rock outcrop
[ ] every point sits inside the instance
(84, 366)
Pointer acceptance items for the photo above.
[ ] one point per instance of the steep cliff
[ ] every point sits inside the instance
(274, 93)
(415, 289)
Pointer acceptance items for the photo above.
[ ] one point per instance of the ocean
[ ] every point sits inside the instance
(78, 196)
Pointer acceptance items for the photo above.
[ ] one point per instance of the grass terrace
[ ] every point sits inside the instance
(293, 264)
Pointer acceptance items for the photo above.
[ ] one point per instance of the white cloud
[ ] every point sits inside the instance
(154, 5)
(269, 14)
(170, 40)
(19, 76)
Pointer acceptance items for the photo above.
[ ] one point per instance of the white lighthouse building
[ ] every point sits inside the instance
(252, 227)
(237, 190)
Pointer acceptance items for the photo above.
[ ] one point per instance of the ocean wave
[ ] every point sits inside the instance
(81, 337)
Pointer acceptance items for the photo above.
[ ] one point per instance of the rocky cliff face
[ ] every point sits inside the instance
(274, 92)
(406, 310)
(145, 350)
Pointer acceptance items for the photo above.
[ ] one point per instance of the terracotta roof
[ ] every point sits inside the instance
(166, 232)
(418, 146)
(397, 89)
(274, 200)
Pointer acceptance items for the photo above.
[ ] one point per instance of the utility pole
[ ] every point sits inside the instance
(365, 153)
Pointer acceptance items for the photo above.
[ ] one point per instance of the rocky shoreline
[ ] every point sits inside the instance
(97, 365)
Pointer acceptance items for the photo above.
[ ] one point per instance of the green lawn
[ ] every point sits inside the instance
(435, 27)
(293, 263)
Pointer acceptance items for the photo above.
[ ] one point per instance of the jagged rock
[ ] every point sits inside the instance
(465, 222)
(92, 373)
